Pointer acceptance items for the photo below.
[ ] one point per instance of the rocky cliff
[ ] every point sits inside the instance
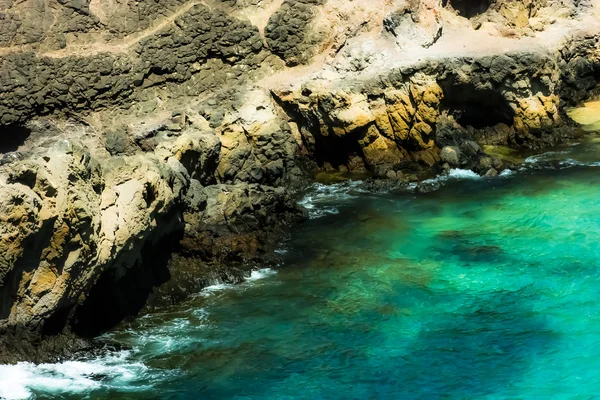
(148, 148)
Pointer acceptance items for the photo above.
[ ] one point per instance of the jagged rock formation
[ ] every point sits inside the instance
(82, 211)
(401, 120)
(289, 33)
(142, 142)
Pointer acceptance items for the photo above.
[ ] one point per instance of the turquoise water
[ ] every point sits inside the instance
(483, 288)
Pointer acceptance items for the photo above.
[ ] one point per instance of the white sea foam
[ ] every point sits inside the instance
(14, 381)
(261, 274)
(314, 211)
(113, 371)
(569, 162)
(319, 201)
(218, 287)
(551, 156)
(21, 380)
(507, 172)
(254, 276)
(547, 156)
(458, 173)
(454, 173)
(532, 159)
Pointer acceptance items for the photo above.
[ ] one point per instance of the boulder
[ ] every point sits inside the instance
(451, 155)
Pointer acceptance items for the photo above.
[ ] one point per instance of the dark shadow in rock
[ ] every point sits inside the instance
(479, 108)
(538, 86)
(122, 291)
(339, 151)
(468, 8)
(329, 150)
(190, 274)
(12, 137)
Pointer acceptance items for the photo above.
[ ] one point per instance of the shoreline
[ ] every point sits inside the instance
(116, 353)
(62, 347)
(133, 178)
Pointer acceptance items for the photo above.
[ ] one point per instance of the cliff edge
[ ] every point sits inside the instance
(150, 148)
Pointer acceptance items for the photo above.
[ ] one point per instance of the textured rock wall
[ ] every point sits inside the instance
(182, 126)
(49, 25)
(31, 84)
(73, 213)
(579, 65)
(401, 121)
(289, 34)
(84, 55)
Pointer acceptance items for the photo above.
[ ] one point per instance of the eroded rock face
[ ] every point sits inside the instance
(385, 131)
(78, 217)
(150, 148)
(417, 24)
(403, 120)
(289, 34)
(82, 216)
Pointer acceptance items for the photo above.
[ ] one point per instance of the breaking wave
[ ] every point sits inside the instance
(324, 200)
(116, 371)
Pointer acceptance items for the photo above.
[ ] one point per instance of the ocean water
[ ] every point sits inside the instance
(481, 289)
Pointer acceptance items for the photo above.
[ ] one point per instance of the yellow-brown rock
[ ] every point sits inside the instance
(379, 150)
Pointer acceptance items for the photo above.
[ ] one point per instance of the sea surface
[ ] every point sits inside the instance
(475, 288)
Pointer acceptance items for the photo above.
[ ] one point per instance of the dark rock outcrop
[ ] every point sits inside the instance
(71, 82)
(150, 148)
(403, 120)
(288, 33)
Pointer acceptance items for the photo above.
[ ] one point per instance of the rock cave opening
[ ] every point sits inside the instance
(469, 8)
(122, 292)
(336, 150)
(13, 136)
(479, 108)
(56, 322)
(111, 300)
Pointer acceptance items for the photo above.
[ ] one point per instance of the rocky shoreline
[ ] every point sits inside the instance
(143, 158)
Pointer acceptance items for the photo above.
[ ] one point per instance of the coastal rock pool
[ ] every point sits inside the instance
(483, 288)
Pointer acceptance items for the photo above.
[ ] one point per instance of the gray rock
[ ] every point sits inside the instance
(491, 172)
(195, 196)
(117, 142)
(470, 148)
(451, 155)
(287, 32)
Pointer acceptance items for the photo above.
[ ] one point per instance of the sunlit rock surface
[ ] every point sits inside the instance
(132, 130)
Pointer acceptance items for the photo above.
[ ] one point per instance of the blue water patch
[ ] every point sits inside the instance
(482, 289)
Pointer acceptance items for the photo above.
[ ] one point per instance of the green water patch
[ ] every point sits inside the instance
(506, 153)
(486, 288)
(588, 115)
(330, 177)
